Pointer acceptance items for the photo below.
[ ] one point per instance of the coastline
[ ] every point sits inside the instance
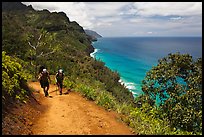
(143, 53)
(129, 85)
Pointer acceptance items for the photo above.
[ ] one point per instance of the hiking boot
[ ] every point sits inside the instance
(46, 94)
(60, 92)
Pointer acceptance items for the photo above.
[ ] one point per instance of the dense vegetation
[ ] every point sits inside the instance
(177, 84)
(177, 81)
(14, 79)
(33, 38)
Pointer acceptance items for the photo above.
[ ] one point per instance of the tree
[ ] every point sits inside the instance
(41, 45)
(177, 81)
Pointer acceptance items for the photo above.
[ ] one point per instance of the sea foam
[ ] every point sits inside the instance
(130, 86)
(93, 53)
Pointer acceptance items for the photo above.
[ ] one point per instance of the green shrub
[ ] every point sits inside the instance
(86, 91)
(68, 83)
(145, 121)
(145, 124)
(106, 100)
(124, 108)
(14, 79)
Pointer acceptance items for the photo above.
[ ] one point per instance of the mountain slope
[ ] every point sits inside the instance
(94, 35)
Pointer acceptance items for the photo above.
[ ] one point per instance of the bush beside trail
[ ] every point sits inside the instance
(14, 80)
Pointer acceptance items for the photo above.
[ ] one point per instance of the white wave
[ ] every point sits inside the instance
(135, 93)
(93, 53)
(129, 85)
(121, 81)
(132, 87)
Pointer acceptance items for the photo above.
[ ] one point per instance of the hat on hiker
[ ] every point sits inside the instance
(44, 70)
(60, 71)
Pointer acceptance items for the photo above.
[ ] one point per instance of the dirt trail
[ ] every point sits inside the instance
(71, 114)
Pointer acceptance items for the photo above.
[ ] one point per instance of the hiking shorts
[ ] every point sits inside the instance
(44, 84)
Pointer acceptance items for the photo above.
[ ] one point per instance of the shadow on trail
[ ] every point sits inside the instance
(57, 91)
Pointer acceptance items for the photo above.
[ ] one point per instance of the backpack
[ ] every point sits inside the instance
(59, 77)
(44, 76)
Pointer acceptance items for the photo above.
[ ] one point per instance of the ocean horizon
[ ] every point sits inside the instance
(133, 57)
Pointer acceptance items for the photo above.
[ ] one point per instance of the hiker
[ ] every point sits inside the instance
(43, 78)
(59, 79)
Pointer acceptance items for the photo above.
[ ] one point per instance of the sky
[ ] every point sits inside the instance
(124, 19)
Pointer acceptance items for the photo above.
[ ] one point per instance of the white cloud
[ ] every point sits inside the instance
(140, 20)
(168, 8)
(104, 24)
(131, 18)
(176, 18)
(103, 9)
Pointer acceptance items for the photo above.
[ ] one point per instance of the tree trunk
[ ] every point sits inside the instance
(36, 69)
(36, 63)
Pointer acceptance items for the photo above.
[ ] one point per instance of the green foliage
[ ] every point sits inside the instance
(14, 79)
(86, 91)
(94, 90)
(124, 108)
(13, 41)
(41, 46)
(68, 83)
(106, 100)
(177, 80)
(145, 122)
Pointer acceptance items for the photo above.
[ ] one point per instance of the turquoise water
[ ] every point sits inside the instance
(132, 57)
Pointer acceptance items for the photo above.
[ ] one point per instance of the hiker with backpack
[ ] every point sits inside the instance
(59, 80)
(43, 77)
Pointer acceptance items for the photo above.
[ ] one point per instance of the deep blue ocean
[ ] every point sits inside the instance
(132, 57)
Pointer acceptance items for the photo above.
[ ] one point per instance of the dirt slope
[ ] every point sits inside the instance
(74, 115)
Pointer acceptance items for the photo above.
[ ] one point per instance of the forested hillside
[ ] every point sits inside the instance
(52, 40)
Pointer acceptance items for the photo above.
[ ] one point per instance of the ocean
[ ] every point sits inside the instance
(132, 57)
